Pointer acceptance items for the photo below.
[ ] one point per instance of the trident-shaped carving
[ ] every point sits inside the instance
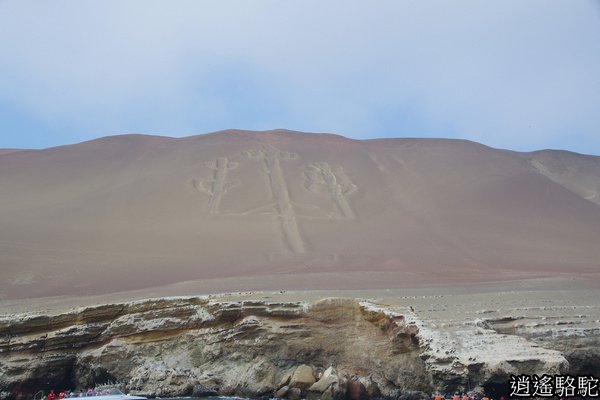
(218, 185)
(339, 185)
(271, 158)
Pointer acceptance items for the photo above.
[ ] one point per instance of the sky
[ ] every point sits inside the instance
(522, 75)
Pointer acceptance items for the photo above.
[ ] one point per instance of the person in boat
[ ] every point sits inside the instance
(90, 392)
(51, 395)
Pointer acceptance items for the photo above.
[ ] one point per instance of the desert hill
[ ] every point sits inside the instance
(6, 151)
(134, 211)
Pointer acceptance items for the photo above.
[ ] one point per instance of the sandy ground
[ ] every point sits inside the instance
(435, 302)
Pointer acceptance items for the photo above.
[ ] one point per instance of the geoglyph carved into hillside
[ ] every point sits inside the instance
(584, 184)
(271, 157)
(320, 177)
(218, 185)
(320, 174)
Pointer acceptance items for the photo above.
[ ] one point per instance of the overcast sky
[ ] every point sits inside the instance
(516, 74)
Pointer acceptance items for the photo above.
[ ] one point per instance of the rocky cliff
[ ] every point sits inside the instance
(329, 349)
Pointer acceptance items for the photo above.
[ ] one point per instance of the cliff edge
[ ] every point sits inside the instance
(326, 349)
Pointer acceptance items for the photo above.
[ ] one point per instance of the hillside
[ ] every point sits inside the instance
(283, 209)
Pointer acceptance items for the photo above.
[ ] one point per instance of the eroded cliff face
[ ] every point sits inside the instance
(333, 348)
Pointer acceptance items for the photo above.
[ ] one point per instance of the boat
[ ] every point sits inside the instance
(101, 392)
(113, 393)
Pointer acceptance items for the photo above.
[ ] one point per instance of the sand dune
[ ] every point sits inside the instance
(133, 211)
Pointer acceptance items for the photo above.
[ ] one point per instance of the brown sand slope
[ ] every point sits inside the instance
(129, 212)
(6, 151)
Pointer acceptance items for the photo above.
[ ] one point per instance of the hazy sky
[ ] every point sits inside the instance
(515, 74)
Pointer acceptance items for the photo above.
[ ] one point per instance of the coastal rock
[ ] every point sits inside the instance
(356, 390)
(204, 346)
(327, 380)
(203, 391)
(326, 388)
(285, 378)
(371, 387)
(294, 394)
(258, 379)
(302, 378)
(281, 392)
(414, 395)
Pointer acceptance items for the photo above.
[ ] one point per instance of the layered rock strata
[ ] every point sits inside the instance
(330, 349)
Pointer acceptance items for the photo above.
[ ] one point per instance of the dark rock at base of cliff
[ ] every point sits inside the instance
(414, 395)
(203, 391)
(356, 390)
(584, 362)
(326, 386)
(282, 392)
(371, 387)
(294, 394)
